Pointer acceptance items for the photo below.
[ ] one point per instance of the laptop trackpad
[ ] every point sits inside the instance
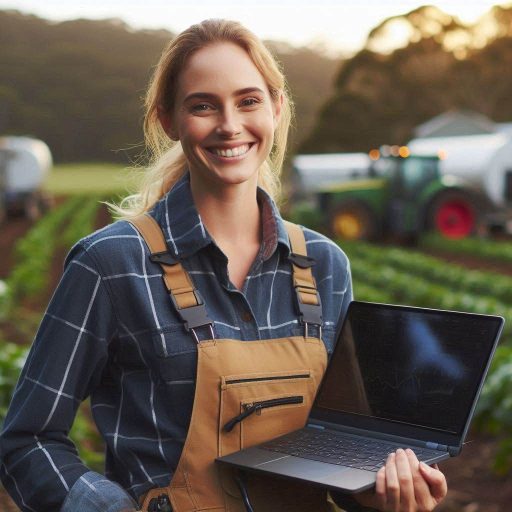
(304, 469)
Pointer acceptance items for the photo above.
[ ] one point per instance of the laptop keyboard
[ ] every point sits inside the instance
(341, 449)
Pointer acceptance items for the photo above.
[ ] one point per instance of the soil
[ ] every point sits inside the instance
(12, 229)
(472, 262)
(473, 486)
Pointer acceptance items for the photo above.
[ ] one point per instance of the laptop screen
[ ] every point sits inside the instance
(407, 366)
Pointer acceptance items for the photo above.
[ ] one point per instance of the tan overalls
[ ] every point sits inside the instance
(246, 393)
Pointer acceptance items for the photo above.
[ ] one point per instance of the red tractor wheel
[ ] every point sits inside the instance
(453, 216)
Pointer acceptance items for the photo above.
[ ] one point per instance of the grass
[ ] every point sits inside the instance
(103, 179)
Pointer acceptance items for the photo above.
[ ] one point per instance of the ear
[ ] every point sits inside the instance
(278, 106)
(167, 124)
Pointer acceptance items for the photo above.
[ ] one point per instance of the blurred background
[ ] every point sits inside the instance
(401, 152)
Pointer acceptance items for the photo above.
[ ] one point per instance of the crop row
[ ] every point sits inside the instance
(416, 290)
(483, 248)
(35, 251)
(449, 275)
(34, 255)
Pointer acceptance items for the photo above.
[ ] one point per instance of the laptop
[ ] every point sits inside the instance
(399, 377)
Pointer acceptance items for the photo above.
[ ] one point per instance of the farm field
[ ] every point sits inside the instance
(431, 275)
(90, 179)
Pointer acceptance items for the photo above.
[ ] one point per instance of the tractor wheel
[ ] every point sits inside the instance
(453, 215)
(32, 208)
(353, 221)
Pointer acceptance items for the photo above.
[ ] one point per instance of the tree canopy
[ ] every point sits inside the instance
(437, 64)
(79, 84)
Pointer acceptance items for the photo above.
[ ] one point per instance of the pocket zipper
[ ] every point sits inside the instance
(275, 377)
(258, 406)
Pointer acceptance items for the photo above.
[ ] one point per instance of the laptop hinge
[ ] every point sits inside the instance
(314, 425)
(436, 446)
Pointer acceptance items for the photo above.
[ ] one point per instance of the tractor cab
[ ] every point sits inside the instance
(407, 178)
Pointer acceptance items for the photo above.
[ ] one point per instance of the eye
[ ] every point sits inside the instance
(201, 107)
(250, 102)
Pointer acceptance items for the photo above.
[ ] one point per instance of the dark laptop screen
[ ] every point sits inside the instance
(410, 366)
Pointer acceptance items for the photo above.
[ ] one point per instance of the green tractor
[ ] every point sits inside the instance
(385, 195)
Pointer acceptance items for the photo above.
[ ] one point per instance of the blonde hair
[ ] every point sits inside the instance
(167, 160)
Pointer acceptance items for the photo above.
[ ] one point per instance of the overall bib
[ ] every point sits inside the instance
(247, 392)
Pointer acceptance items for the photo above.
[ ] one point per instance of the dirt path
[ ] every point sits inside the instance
(472, 262)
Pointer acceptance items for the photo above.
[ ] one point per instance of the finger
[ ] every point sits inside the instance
(392, 484)
(435, 480)
(380, 489)
(421, 489)
(404, 473)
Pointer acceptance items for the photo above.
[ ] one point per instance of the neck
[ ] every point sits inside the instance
(231, 214)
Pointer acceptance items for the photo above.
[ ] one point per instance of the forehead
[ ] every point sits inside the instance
(220, 69)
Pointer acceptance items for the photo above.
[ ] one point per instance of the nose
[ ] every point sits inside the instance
(229, 123)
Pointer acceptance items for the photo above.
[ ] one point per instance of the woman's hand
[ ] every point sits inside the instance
(405, 485)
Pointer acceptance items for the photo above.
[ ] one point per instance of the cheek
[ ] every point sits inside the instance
(263, 126)
(194, 130)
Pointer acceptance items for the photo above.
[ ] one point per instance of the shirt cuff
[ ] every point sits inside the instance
(93, 492)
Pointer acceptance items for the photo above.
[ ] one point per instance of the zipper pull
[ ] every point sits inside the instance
(249, 409)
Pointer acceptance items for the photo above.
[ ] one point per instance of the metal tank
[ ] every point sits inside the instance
(315, 172)
(24, 164)
(482, 160)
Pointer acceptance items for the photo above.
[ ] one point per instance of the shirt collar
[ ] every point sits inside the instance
(186, 234)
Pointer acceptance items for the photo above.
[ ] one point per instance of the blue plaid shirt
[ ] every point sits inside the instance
(112, 333)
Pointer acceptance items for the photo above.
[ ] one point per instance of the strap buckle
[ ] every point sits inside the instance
(163, 258)
(194, 316)
(301, 260)
(160, 504)
(310, 313)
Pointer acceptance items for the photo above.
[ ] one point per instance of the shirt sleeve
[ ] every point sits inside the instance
(348, 297)
(92, 492)
(40, 464)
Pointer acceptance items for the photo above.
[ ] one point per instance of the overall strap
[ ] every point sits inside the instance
(308, 299)
(184, 295)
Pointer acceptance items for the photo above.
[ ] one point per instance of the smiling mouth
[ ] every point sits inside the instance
(231, 152)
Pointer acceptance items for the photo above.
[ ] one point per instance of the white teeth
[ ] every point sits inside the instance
(238, 151)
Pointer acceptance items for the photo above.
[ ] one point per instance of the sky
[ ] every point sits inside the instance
(339, 25)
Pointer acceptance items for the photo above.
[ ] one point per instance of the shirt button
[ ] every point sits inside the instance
(246, 316)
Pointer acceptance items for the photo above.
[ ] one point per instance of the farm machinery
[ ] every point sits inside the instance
(24, 164)
(439, 186)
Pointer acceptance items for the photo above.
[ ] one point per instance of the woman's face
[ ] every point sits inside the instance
(224, 116)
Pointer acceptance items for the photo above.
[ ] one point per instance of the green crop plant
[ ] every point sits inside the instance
(494, 410)
(81, 223)
(459, 278)
(483, 248)
(12, 359)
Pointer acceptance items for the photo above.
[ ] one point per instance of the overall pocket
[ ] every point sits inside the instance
(257, 407)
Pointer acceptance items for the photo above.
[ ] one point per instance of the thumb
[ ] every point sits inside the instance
(435, 480)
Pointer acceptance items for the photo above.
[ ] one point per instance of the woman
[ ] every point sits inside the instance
(169, 364)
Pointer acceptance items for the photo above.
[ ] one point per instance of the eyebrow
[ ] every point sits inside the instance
(209, 95)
